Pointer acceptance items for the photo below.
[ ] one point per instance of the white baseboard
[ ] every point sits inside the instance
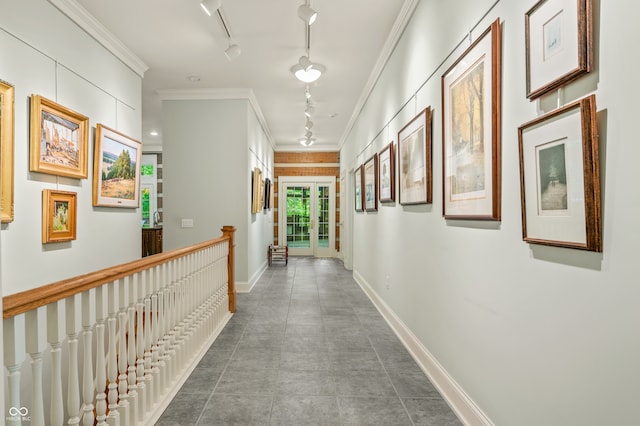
(464, 407)
(246, 287)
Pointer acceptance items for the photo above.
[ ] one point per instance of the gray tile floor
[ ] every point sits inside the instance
(307, 347)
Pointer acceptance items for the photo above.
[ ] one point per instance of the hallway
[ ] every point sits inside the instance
(306, 346)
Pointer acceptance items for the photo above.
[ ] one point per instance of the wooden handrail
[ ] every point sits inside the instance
(18, 303)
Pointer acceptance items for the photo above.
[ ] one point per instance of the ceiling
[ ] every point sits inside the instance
(177, 40)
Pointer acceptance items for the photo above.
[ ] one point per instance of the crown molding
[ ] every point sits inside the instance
(78, 14)
(395, 34)
(219, 94)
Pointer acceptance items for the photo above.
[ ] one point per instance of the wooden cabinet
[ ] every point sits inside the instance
(151, 241)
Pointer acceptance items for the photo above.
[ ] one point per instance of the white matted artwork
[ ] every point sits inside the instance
(558, 44)
(559, 176)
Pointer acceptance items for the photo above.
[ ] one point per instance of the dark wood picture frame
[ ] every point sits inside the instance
(370, 176)
(358, 196)
(560, 178)
(415, 168)
(559, 44)
(387, 174)
(471, 123)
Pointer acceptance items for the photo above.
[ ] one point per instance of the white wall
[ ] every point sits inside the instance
(260, 224)
(532, 334)
(44, 53)
(209, 149)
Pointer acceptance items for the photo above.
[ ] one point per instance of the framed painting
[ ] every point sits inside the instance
(257, 188)
(58, 216)
(267, 193)
(358, 196)
(58, 139)
(7, 99)
(559, 46)
(371, 184)
(560, 178)
(415, 160)
(471, 131)
(387, 174)
(116, 169)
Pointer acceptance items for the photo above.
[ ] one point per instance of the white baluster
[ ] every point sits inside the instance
(54, 336)
(140, 336)
(123, 403)
(155, 372)
(87, 372)
(148, 358)
(160, 330)
(73, 387)
(112, 363)
(34, 348)
(101, 372)
(132, 389)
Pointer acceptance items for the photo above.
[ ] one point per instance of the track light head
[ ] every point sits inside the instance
(210, 6)
(232, 52)
(305, 63)
(307, 14)
(308, 111)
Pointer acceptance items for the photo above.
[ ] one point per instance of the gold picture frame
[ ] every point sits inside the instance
(58, 216)
(58, 139)
(116, 169)
(7, 101)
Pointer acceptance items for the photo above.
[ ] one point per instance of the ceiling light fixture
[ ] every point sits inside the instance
(308, 76)
(232, 52)
(309, 110)
(210, 6)
(307, 93)
(307, 141)
(307, 14)
(309, 124)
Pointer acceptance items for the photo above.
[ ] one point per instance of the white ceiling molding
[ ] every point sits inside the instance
(394, 36)
(95, 29)
(218, 94)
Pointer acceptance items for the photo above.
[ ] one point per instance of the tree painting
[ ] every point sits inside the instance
(60, 215)
(467, 121)
(118, 170)
(552, 175)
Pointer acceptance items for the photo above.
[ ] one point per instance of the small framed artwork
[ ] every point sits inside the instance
(371, 184)
(6, 149)
(58, 139)
(58, 216)
(267, 193)
(414, 160)
(116, 169)
(560, 178)
(471, 131)
(559, 46)
(257, 188)
(358, 196)
(387, 174)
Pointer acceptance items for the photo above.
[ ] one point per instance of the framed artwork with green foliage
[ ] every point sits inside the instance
(116, 169)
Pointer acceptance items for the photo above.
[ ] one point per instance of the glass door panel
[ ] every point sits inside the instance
(298, 225)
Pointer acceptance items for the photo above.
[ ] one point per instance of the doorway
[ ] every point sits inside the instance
(307, 221)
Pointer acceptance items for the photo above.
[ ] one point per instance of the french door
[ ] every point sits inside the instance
(306, 219)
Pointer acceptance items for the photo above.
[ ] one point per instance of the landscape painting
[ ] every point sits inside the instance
(116, 169)
(58, 216)
(58, 140)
